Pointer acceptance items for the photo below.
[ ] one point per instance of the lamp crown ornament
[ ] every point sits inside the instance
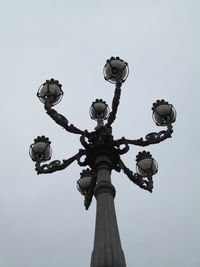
(87, 172)
(42, 139)
(143, 155)
(52, 81)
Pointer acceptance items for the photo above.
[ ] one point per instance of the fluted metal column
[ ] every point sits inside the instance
(107, 250)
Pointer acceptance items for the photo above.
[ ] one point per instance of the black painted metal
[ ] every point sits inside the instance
(102, 154)
(115, 104)
(56, 165)
(60, 119)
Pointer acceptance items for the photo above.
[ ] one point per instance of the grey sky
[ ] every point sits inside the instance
(43, 221)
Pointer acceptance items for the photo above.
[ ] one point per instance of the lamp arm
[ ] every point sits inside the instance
(151, 138)
(146, 184)
(57, 165)
(115, 104)
(60, 119)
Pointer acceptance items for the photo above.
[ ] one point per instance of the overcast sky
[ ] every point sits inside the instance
(42, 218)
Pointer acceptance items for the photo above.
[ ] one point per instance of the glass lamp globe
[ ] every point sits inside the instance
(50, 90)
(116, 70)
(163, 113)
(99, 110)
(40, 150)
(146, 165)
(84, 182)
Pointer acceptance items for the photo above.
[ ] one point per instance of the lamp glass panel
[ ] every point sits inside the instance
(115, 69)
(146, 166)
(51, 91)
(83, 184)
(163, 113)
(41, 150)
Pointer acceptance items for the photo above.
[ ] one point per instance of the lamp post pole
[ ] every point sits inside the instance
(107, 245)
(102, 156)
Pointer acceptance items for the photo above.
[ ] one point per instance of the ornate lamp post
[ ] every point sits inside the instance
(102, 155)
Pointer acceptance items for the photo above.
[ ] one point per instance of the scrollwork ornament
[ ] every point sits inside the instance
(151, 138)
(145, 183)
(57, 165)
(100, 143)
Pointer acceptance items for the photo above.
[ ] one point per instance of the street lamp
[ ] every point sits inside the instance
(102, 154)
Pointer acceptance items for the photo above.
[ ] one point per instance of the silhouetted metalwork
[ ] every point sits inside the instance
(102, 152)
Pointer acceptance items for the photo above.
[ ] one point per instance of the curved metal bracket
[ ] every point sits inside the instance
(151, 138)
(145, 183)
(82, 163)
(82, 139)
(123, 150)
(60, 119)
(57, 165)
